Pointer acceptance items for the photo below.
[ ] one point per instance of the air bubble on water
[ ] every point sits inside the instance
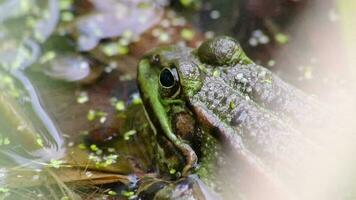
(165, 23)
(257, 33)
(258, 37)
(271, 63)
(209, 34)
(215, 14)
(164, 37)
(264, 39)
(88, 174)
(156, 32)
(70, 144)
(253, 42)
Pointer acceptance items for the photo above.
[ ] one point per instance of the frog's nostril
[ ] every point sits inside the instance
(155, 60)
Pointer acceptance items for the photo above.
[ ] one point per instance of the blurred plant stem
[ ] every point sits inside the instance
(347, 14)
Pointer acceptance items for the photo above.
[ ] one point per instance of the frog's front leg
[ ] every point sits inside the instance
(186, 150)
(190, 156)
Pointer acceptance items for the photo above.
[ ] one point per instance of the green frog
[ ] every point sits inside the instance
(199, 101)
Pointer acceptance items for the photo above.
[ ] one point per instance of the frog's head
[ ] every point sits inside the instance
(169, 78)
(215, 90)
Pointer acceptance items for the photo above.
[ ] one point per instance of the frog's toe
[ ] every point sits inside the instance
(191, 158)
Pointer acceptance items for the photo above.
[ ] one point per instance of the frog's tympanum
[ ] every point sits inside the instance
(198, 99)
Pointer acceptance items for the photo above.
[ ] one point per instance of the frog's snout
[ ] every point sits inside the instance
(222, 50)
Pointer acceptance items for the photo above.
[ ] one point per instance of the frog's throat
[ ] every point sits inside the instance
(151, 99)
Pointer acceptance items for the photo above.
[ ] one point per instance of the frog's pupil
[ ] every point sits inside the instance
(166, 78)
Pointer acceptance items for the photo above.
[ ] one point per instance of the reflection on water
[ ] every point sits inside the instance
(29, 139)
(52, 95)
(31, 133)
(30, 130)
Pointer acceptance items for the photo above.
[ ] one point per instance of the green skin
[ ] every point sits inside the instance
(230, 99)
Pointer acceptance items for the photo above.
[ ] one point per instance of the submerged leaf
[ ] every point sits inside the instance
(115, 18)
(68, 68)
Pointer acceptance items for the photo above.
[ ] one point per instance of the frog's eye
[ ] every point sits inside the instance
(168, 80)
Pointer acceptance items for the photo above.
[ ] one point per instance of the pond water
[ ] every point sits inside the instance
(68, 81)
